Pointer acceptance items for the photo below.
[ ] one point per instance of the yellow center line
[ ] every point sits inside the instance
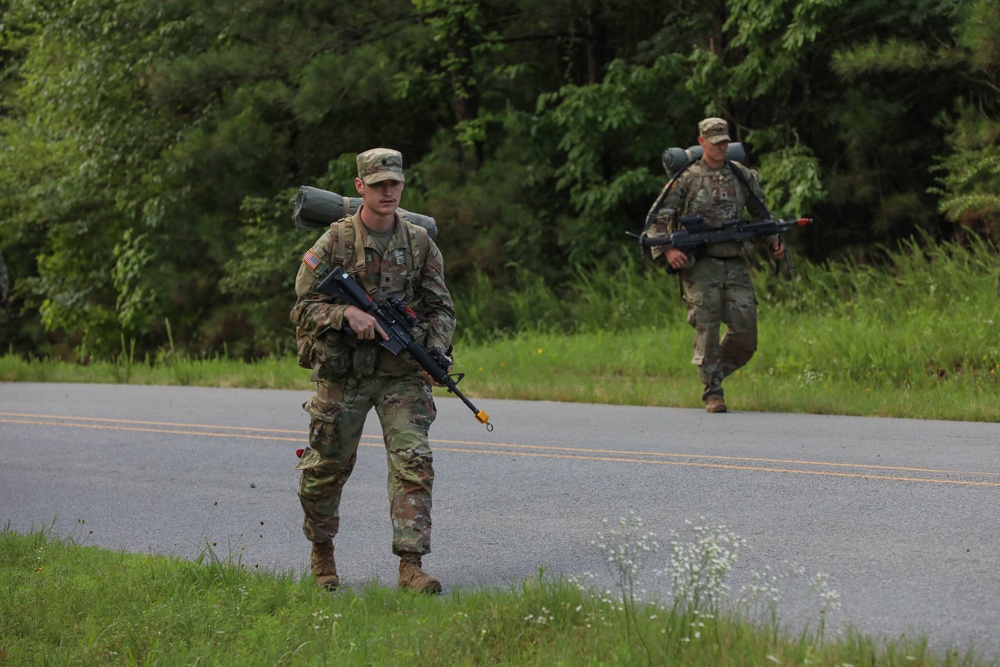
(717, 457)
(145, 423)
(737, 467)
(158, 430)
(498, 449)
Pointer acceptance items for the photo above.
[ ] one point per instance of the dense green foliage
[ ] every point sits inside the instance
(152, 148)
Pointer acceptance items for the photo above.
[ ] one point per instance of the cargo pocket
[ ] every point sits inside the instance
(323, 419)
(364, 359)
(310, 459)
(304, 340)
(693, 300)
(331, 357)
(320, 458)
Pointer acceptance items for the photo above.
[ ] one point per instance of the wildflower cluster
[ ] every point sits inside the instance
(698, 570)
(810, 377)
(320, 618)
(541, 618)
(626, 548)
(760, 598)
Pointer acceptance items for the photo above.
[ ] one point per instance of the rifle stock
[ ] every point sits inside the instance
(396, 319)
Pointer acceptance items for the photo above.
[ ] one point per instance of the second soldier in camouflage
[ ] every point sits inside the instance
(716, 285)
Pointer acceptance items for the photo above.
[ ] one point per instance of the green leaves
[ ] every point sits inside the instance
(792, 178)
(150, 146)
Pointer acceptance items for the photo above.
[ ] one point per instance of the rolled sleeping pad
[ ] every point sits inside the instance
(675, 159)
(315, 208)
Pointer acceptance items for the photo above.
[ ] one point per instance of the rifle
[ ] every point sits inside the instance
(396, 319)
(695, 234)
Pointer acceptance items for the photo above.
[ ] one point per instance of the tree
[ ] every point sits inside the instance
(970, 175)
(153, 148)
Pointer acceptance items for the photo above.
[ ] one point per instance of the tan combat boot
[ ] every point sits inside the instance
(715, 403)
(411, 577)
(323, 566)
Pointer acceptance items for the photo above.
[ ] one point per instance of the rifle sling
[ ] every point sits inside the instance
(743, 179)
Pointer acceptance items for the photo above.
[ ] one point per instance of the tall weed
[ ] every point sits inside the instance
(701, 615)
(926, 313)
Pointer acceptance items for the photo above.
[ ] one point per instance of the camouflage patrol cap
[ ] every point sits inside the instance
(380, 164)
(714, 130)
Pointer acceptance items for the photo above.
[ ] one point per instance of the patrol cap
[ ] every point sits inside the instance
(380, 164)
(714, 130)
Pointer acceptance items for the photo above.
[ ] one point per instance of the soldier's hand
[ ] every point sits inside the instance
(676, 259)
(442, 359)
(432, 381)
(779, 249)
(364, 325)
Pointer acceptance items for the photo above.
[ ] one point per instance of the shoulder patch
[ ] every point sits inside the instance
(311, 260)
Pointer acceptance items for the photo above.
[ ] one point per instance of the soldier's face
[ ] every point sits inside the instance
(715, 154)
(382, 198)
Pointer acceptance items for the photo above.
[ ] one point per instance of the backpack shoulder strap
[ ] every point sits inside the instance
(761, 208)
(347, 243)
(339, 255)
(654, 210)
(418, 244)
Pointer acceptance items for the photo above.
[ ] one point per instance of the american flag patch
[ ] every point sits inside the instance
(311, 260)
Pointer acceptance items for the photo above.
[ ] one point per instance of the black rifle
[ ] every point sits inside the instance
(695, 234)
(396, 319)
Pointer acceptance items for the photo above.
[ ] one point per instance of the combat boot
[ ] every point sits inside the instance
(323, 566)
(412, 578)
(715, 403)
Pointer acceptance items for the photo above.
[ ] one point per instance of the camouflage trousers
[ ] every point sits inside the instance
(405, 408)
(719, 291)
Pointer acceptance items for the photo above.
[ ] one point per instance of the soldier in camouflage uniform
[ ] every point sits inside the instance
(388, 257)
(716, 283)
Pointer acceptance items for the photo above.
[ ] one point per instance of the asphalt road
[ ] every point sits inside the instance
(901, 514)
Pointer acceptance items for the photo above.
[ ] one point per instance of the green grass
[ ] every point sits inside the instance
(641, 367)
(62, 603)
(273, 373)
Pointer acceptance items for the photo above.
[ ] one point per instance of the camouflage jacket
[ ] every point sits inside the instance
(718, 195)
(411, 269)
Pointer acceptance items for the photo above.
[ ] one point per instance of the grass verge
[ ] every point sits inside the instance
(644, 367)
(68, 604)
